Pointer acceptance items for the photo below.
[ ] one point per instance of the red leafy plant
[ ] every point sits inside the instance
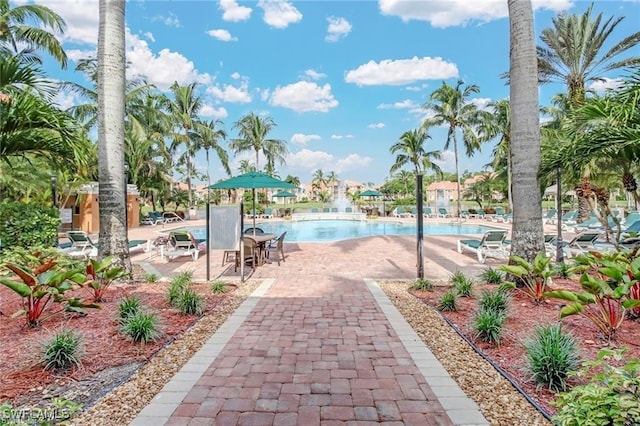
(100, 275)
(533, 277)
(42, 284)
(607, 281)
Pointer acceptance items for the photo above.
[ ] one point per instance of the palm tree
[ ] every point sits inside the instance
(184, 110)
(252, 136)
(527, 230)
(245, 167)
(451, 107)
(293, 180)
(410, 149)
(16, 31)
(208, 137)
(574, 54)
(498, 124)
(111, 86)
(319, 181)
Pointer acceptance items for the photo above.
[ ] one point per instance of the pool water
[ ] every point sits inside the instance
(338, 230)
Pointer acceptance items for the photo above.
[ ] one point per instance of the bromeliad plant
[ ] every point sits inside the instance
(534, 277)
(100, 275)
(608, 282)
(42, 286)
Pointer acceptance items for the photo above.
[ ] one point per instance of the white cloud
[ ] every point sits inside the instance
(279, 13)
(233, 12)
(64, 100)
(149, 36)
(448, 161)
(171, 20)
(482, 103)
(338, 28)
(376, 125)
(419, 88)
(161, 69)
(230, 93)
(81, 16)
(235, 75)
(314, 75)
(406, 104)
(401, 71)
(338, 137)
(602, 86)
(222, 35)
(448, 13)
(213, 112)
(76, 54)
(304, 96)
(305, 159)
(302, 139)
(264, 94)
(352, 162)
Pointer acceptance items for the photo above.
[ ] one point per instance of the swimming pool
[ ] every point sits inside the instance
(338, 230)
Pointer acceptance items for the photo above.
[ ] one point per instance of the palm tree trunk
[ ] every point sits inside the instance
(111, 90)
(527, 233)
(455, 153)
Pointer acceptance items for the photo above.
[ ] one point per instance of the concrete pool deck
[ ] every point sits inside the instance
(318, 342)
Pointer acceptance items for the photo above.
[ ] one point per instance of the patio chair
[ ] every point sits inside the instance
(251, 230)
(491, 244)
(251, 253)
(464, 214)
(268, 213)
(182, 243)
(348, 210)
(277, 247)
(136, 245)
(398, 212)
(171, 217)
(427, 212)
(153, 218)
(414, 212)
(442, 212)
(314, 210)
(326, 210)
(505, 218)
(582, 243)
(550, 216)
(81, 245)
(630, 219)
(334, 210)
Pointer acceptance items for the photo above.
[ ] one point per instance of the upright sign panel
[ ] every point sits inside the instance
(224, 227)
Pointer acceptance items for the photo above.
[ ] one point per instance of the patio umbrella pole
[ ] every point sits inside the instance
(208, 239)
(419, 224)
(241, 251)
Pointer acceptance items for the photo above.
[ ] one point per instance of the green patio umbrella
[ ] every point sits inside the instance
(370, 193)
(252, 180)
(283, 194)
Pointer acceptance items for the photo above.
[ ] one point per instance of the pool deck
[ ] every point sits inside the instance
(318, 342)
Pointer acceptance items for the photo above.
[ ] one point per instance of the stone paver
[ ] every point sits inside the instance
(319, 343)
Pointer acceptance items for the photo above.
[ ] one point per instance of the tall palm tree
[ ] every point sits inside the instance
(319, 181)
(293, 180)
(252, 136)
(527, 230)
(451, 108)
(245, 167)
(410, 148)
(113, 239)
(208, 135)
(184, 109)
(498, 124)
(576, 51)
(16, 30)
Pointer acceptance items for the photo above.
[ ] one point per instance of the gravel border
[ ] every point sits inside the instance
(499, 401)
(123, 403)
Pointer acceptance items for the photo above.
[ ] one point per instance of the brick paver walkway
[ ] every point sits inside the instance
(319, 344)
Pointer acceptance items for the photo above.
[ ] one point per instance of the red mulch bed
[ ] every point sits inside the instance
(523, 317)
(24, 378)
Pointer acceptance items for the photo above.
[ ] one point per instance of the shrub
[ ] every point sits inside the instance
(457, 277)
(177, 286)
(28, 225)
(562, 270)
(533, 278)
(464, 287)
(492, 276)
(551, 355)
(128, 306)
(488, 325)
(611, 397)
(62, 351)
(190, 303)
(41, 284)
(100, 275)
(219, 287)
(151, 277)
(142, 327)
(448, 302)
(494, 300)
(422, 284)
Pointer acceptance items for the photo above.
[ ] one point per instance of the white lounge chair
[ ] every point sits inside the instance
(81, 245)
(182, 243)
(491, 244)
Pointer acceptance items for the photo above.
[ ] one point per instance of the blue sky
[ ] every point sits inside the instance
(342, 79)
